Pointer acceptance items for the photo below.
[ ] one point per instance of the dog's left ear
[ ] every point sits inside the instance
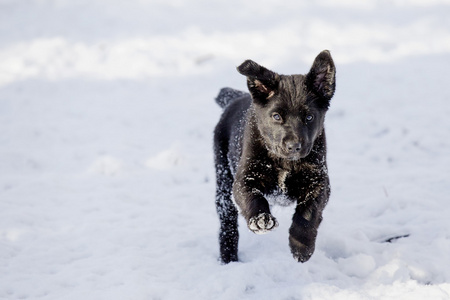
(262, 83)
(321, 79)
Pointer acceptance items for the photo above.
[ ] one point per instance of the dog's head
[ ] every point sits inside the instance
(290, 110)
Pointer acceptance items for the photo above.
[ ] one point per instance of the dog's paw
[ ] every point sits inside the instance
(300, 251)
(262, 223)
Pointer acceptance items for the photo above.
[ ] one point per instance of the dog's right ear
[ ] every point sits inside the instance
(322, 77)
(262, 83)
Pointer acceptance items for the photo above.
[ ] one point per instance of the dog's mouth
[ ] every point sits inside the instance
(288, 155)
(293, 157)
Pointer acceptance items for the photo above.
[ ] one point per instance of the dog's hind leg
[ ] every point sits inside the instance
(227, 211)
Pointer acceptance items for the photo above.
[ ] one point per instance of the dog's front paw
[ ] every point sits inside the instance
(262, 223)
(302, 252)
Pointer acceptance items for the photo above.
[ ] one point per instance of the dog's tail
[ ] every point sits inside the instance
(227, 95)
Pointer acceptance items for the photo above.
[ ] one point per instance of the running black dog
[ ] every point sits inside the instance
(271, 142)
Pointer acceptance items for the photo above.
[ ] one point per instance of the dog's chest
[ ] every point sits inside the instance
(282, 175)
(279, 195)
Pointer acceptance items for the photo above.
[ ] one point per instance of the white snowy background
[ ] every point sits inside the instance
(106, 167)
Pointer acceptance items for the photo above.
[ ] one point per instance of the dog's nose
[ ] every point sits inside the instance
(293, 147)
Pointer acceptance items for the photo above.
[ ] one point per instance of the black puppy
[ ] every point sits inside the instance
(272, 143)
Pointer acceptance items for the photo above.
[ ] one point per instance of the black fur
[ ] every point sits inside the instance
(272, 142)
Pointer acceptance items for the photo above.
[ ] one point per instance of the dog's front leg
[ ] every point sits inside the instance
(307, 218)
(253, 206)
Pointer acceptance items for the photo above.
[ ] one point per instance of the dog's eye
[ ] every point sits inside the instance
(309, 118)
(276, 117)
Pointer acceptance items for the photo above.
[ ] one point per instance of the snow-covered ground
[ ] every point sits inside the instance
(106, 168)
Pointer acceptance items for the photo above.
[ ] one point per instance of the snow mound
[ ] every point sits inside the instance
(167, 159)
(107, 165)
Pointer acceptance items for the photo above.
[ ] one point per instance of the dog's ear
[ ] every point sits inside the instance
(262, 83)
(321, 78)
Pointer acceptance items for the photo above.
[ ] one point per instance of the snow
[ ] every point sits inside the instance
(106, 170)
